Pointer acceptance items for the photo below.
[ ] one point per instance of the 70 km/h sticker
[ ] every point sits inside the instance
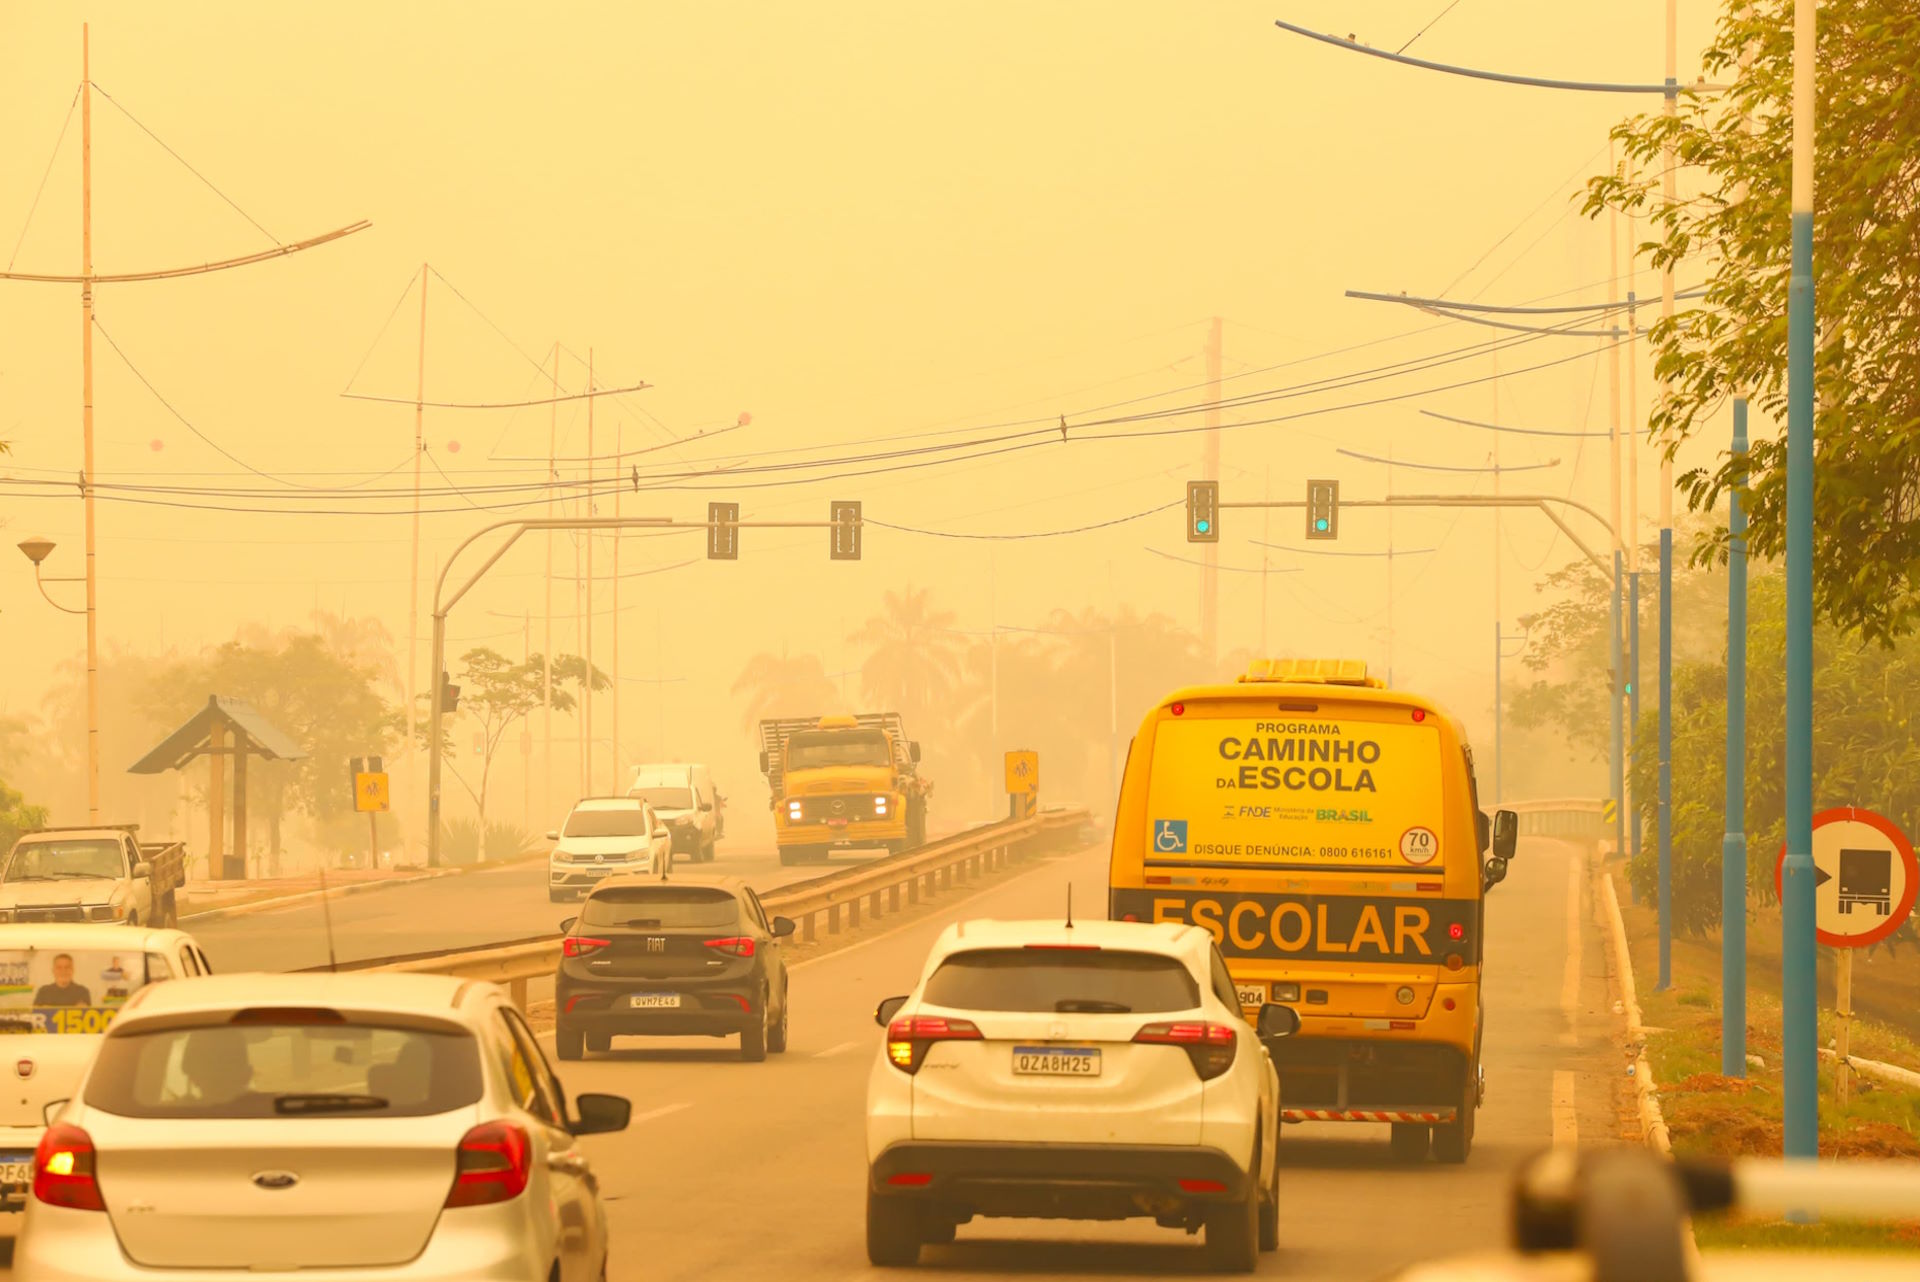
(1419, 845)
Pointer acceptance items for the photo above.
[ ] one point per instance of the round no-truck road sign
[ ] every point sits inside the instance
(1864, 877)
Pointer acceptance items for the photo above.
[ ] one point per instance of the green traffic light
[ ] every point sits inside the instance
(1203, 525)
(1320, 524)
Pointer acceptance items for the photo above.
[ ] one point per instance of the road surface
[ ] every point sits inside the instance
(732, 1167)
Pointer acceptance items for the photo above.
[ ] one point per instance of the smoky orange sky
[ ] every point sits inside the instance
(856, 222)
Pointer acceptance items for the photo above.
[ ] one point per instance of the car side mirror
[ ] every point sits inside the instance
(1482, 830)
(1506, 834)
(883, 1013)
(600, 1114)
(1276, 1021)
(566, 927)
(913, 751)
(765, 763)
(142, 871)
(51, 1111)
(706, 806)
(554, 835)
(782, 927)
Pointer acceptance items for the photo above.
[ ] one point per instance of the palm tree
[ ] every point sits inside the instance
(914, 661)
(783, 685)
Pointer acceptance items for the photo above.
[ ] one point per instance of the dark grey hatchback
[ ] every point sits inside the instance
(695, 956)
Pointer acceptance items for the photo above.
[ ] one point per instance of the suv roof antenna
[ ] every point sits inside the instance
(326, 912)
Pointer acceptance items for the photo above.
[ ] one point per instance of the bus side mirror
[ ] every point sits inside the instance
(1506, 834)
(765, 763)
(1492, 874)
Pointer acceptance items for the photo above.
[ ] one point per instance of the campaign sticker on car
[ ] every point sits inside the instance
(16, 1169)
(1251, 994)
(1056, 1061)
(654, 1001)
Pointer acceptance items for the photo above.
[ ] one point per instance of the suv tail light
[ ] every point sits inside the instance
(63, 1170)
(1210, 1046)
(495, 1160)
(909, 1037)
(733, 945)
(580, 945)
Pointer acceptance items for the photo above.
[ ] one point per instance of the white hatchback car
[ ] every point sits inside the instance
(362, 1126)
(1100, 1071)
(602, 836)
(61, 985)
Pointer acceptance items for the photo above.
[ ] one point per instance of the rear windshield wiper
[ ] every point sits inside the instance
(327, 1103)
(642, 921)
(1091, 1006)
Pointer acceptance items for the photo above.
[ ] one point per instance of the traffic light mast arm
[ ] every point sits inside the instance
(1544, 502)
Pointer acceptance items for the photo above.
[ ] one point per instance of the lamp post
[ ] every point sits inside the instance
(38, 550)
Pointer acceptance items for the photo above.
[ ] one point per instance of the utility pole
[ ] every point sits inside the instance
(1799, 994)
(1733, 846)
(413, 579)
(1389, 570)
(86, 422)
(546, 676)
(586, 692)
(1665, 802)
(526, 758)
(1615, 651)
(1266, 533)
(619, 439)
(1210, 470)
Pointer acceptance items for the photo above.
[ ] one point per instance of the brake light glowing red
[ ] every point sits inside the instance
(909, 1037)
(1210, 1046)
(733, 945)
(1419, 714)
(63, 1170)
(911, 1179)
(1202, 1186)
(1178, 709)
(580, 945)
(495, 1161)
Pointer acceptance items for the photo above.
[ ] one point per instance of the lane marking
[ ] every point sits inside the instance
(1566, 1130)
(662, 1111)
(835, 1050)
(1570, 979)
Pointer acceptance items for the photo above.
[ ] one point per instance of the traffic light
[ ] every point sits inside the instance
(723, 531)
(449, 695)
(1323, 509)
(1203, 511)
(846, 530)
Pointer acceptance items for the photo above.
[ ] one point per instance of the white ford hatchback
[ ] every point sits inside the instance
(361, 1126)
(1093, 1071)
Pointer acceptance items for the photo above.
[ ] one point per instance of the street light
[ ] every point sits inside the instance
(37, 550)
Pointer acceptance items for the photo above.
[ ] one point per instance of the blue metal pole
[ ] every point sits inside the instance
(1633, 713)
(1733, 847)
(1798, 996)
(1666, 760)
(1614, 679)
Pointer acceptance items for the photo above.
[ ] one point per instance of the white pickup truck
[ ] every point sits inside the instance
(103, 874)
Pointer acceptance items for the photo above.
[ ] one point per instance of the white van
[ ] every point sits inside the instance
(61, 985)
(682, 794)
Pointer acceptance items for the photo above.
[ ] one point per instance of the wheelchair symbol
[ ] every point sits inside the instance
(1170, 836)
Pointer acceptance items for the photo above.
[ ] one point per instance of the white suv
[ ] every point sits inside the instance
(603, 836)
(1093, 1071)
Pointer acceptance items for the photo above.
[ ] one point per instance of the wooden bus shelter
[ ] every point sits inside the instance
(224, 728)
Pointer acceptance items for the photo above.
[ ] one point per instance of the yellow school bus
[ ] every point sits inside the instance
(1327, 831)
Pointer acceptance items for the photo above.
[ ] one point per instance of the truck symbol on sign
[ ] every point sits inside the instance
(1866, 878)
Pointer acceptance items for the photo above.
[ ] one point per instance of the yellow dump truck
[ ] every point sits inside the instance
(841, 782)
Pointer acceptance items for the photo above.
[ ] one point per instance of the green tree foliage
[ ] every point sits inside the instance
(495, 695)
(16, 816)
(785, 685)
(1867, 282)
(325, 701)
(1866, 751)
(913, 656)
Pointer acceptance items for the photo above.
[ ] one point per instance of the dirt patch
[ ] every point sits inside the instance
(1708, 1082)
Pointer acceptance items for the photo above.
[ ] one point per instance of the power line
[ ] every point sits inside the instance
(231, 203)
(1423, 31)
(1444, 467)
(45, 174)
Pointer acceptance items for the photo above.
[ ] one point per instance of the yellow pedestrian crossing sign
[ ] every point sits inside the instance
(370, 791)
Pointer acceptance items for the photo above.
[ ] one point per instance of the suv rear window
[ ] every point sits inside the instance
(1059, 979)
(699, 907)
(285, 1070)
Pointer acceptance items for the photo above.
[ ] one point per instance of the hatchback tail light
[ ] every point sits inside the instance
(733, 945)
(1210, 1046)
(495, 1161)
(909, 1037)
(63, 1170)
(580, 945)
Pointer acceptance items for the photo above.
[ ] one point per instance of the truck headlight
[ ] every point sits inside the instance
(793, 811)
(880, 806)
(104, 912)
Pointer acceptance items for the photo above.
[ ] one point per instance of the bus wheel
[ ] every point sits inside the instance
(1453, 1141)
(1410, 1141)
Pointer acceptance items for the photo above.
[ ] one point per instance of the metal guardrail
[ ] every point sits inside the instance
(833, 902)
(1577, 818)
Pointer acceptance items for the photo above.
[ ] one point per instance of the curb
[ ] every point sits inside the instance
(1653, 1124)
